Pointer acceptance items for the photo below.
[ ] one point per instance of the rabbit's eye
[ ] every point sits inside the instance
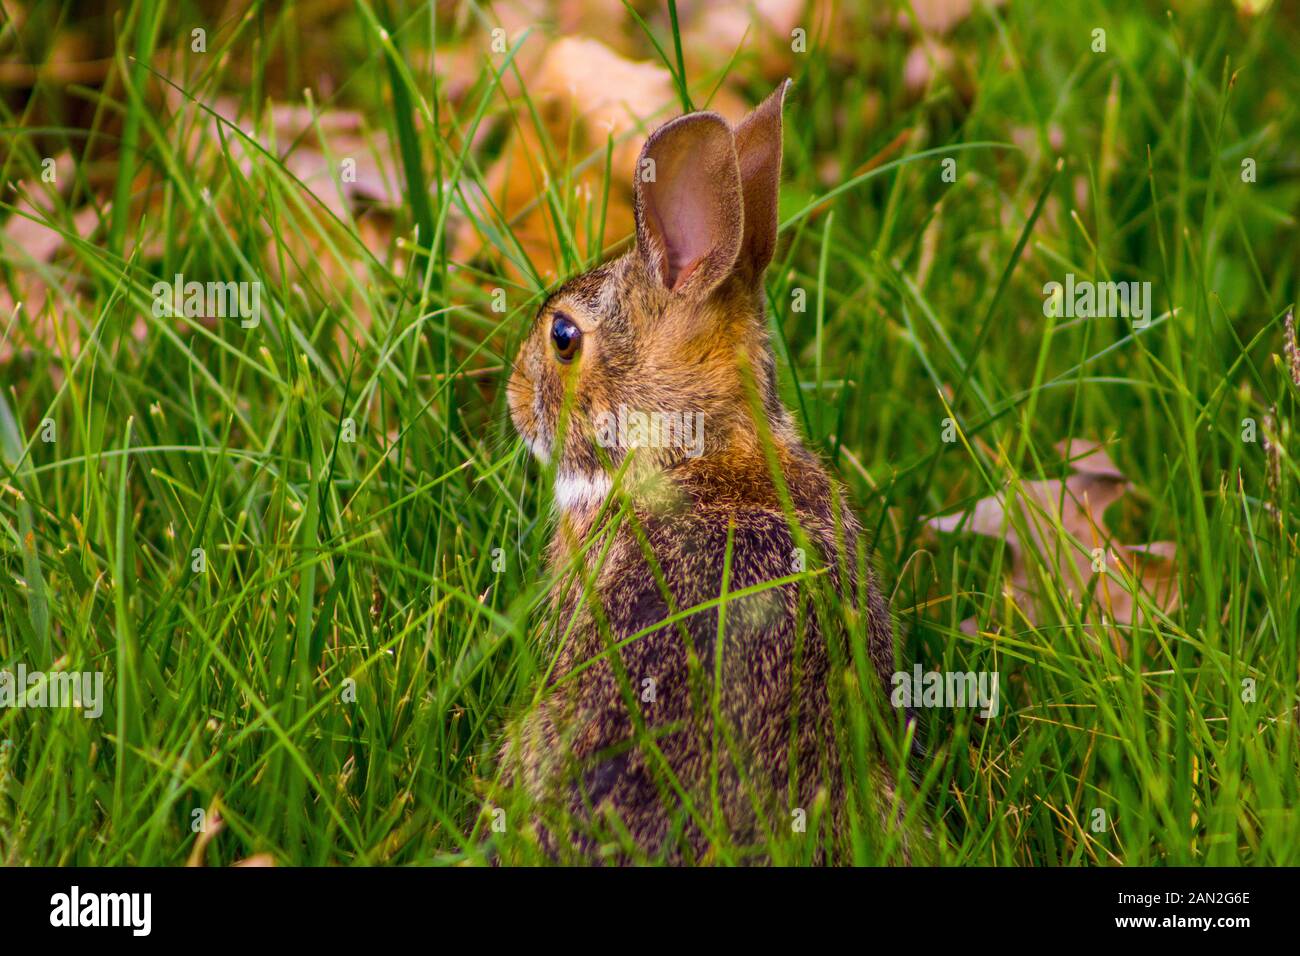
(566, 337)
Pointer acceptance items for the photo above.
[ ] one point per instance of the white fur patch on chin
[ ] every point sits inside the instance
(577, 492)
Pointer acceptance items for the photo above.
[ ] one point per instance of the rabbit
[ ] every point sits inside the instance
(622, 751)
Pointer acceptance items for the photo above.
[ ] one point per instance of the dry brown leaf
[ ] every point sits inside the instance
(28, 241)
(71, 59)
(312, 145)
(1155, 571)
(923, 61)
(712, 33)
(1077, 504)
(327, 257)
(586, 95)
(940, 16)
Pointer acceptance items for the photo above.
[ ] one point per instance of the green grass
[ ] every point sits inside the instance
(370, 564)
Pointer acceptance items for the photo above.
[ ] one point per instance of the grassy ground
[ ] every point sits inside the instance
(333, 682)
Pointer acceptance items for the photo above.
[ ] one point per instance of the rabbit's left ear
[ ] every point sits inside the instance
(758, 149)
(688, 204)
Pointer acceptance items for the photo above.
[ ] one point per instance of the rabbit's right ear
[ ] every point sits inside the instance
(689, 206)
(758, 150)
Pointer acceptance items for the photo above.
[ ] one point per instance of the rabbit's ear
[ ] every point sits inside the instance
(758, 149)
(689, 214)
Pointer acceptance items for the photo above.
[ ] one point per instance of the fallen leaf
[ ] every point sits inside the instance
(587, 96)
(940, 16)
(1082, 543)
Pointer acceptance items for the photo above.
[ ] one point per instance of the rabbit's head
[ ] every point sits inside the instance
(663, 353)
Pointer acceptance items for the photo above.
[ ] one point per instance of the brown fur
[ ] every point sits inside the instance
(678, 325)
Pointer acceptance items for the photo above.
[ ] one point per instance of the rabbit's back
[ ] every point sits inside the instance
(774, 664)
